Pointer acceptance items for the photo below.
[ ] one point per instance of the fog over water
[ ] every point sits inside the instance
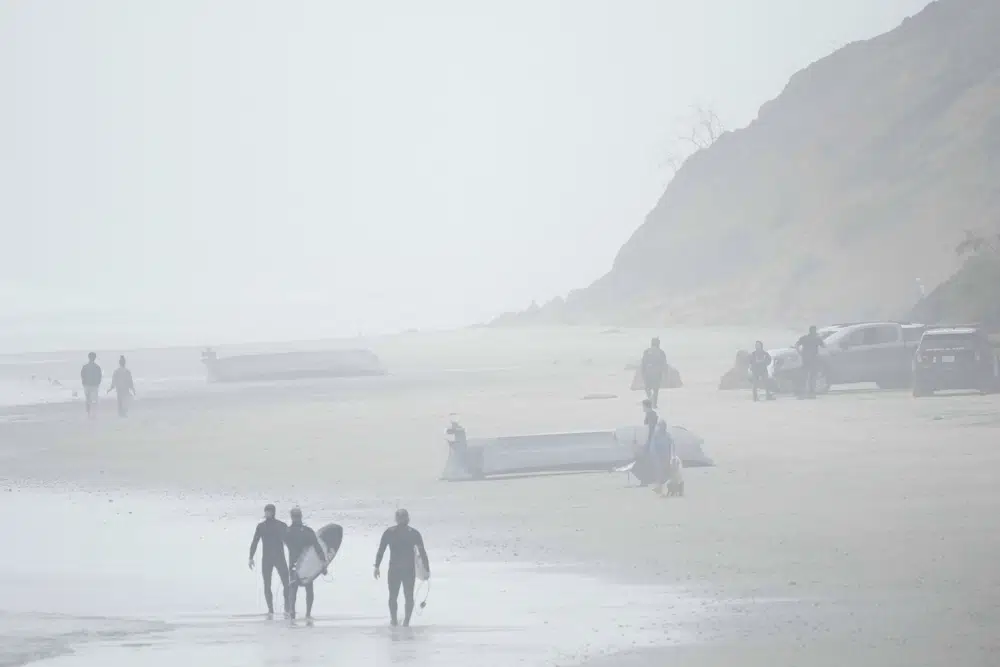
(238, 170)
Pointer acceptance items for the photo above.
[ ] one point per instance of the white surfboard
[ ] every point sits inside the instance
(309, 565)
(422, 573)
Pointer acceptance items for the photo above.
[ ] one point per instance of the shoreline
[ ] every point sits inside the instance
(149, 608)
(876, 512)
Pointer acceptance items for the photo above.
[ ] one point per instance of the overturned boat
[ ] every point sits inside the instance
(478, 458)
(291, 365)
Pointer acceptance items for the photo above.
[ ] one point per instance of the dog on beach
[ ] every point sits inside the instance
(675, 477)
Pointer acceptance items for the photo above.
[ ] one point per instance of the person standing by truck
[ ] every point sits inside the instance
(760, 360)
(808, 348)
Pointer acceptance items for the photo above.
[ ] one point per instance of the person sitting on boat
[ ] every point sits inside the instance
(458, 440)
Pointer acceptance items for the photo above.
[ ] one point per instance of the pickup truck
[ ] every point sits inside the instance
(879, 352)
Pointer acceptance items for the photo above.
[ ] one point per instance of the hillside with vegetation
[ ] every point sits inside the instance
(848, 189)
(972, 295)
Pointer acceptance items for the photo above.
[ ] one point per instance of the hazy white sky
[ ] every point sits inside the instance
(228, 169)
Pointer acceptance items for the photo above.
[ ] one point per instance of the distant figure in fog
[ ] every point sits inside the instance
(121, 383)
(653, 367)
(760, 360)
(91, 376)
(808, 347)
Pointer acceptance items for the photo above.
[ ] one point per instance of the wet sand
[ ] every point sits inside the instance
(863, 526)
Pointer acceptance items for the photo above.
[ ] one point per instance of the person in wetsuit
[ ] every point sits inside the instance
(270, 534)
(808, 347)
(401, 540)
(759, 362)
(298, 538)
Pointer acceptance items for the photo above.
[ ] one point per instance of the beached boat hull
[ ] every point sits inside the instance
(293, 365)
(561, 452)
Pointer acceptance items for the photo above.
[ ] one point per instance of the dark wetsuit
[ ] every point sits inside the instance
(401, 540)
(299, 537)
(271, 533)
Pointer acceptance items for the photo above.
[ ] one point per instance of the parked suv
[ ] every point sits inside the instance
(879, 352)
(955, 358)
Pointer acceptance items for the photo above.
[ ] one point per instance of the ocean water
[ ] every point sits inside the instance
(124, 579)
(701, 355)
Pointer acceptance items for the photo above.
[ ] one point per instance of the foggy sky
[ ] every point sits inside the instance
(183, 171)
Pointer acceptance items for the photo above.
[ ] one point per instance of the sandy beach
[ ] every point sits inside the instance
(863, 526)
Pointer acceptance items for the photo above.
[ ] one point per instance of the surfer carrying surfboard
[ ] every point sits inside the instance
(298, 538)
(270, 534)
(405, 546)
(654, 368)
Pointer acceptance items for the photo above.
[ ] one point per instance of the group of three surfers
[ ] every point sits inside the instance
(274, 536)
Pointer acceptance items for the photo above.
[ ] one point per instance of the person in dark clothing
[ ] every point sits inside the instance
(121, 382)
(760, 360)
(298, 538)
(653, 367)
(659, 446)
(808, 347)
(270, 534)
(91, 376)
(403, 543)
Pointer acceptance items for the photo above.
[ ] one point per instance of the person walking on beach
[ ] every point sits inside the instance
(404, 543)
(91, 376)
(760, 360)
(270, 534)
(808, 347)
(653, 367)
(298, 538)
(124, 387)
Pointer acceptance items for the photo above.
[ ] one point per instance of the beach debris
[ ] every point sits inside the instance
(598, 397)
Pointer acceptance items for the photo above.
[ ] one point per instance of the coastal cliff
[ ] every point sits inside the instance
(848, 188)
